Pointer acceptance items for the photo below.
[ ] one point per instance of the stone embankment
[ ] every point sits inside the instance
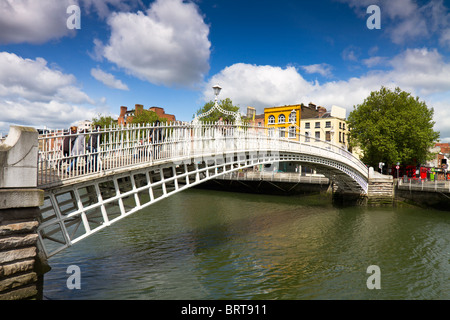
(381, 189)
(20, 265)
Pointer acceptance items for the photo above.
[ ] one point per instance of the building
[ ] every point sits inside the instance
(329, 126)
(287, 119)
(161, 113)
(256, 120)
(284, 119)
(85, 125)
(126, 116)
(251, 113)
(442, 154)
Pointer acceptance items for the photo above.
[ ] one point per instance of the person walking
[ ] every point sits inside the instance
(78, 149)
(93, 144)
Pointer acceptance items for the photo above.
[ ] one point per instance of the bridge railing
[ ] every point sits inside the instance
(65, 155)
(423, 185)
(275, 176)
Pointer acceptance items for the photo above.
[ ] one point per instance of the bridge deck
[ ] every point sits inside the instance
(130, 169)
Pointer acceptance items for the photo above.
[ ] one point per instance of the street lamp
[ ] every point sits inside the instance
(217, 89)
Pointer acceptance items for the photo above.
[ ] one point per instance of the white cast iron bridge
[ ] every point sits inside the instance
(132, 167)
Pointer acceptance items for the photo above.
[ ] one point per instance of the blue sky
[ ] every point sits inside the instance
(169, 53)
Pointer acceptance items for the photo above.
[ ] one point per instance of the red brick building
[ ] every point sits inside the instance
(160, 113)
(442, 156)
(127, 115)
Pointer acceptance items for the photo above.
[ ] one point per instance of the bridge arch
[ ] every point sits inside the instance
(78, 205)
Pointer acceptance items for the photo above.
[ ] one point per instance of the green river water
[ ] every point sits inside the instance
(201, 244)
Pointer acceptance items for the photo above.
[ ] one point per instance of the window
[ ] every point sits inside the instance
(282, 132)
(271, 120)
(307, 136)
(328, 136)
(340, 140)
(343, 125)
(343, 137)
(259, 124)
(291, 132)
(328, 124)
(271, 131)
(281, 118)
(307, 125)
(317, 135)
(317, 125)
(340, 125)
(292, 117)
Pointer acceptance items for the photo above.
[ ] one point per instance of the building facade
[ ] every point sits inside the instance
(329, 126)
(284, 120)
(126, 116)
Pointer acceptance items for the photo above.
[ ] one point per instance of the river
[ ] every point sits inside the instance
(202, 244)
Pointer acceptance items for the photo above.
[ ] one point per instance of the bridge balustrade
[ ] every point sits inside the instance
(132, 145)
(120, 170)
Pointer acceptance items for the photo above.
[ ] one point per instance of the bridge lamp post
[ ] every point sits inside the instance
(217, 89)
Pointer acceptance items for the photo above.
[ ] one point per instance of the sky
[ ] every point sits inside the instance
(57, 68)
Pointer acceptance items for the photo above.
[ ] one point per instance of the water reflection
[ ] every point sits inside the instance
(212, 245)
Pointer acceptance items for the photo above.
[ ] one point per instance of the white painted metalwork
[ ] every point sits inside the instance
(121, 170)
(275, 177)
(236, 115)
(424, 185)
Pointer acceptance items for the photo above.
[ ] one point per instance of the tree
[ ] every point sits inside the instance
(147, 116)
(392, 126)
(226, 104)
(103, 121)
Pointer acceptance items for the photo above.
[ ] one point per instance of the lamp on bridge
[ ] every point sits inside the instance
(217, 89)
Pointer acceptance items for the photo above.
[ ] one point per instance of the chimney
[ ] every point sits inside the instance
(321, 111)
(123, 110)
(138, 109)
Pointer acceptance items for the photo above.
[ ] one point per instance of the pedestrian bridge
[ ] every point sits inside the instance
(120, 170)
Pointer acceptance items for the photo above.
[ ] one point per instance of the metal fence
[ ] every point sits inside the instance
(276, 176)
(424, 185)
(65, 155)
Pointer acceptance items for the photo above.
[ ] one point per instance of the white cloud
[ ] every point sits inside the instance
(323, 69)
(168, 44)
(33, 21)
(31, 93)
(421, 72)
(351, 53)
(39, 21)
(375, 61)
(405, 20)
(259, 86)
(108, 79)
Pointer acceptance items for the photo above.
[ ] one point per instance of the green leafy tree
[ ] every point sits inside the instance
(103, 121)
(226, 104)
(392, 126)
(147, 116)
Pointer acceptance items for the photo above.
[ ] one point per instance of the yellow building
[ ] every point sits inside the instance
(283, 120)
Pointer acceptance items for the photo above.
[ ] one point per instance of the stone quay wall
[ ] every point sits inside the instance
(20, 266)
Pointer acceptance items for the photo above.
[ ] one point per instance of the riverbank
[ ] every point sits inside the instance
(401, 198)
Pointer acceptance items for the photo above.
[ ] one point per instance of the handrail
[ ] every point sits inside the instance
(113, 147)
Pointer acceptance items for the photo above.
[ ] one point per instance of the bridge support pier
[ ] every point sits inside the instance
(381, 189)
(380, 192)
(21, 271)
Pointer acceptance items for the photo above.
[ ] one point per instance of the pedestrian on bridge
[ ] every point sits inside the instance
(156, 137)
(93, 144)
(78, 149)
(68, 141)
